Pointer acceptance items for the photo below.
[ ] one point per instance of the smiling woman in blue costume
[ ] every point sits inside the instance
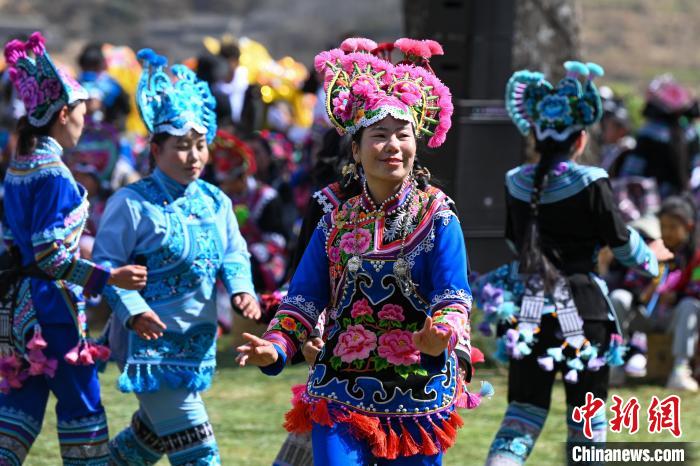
(389, 266)
(43, 336)
(552, 311)
(184, 230)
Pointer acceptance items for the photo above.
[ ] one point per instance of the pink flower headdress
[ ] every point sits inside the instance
(363, 87)
(43, 87)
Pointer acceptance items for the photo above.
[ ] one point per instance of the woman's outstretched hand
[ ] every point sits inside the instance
(247, 305)
(430, 339)
(257, 351)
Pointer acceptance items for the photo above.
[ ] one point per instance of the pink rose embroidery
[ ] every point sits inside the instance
(355, 343)
(30, 93)
(355, 242)
(342, 105)
(361, 308)
(51, 89)
(397, 347)
(334, 254)
(391, 312)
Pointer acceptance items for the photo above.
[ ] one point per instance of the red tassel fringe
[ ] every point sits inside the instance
(408, 445)
(381, 437)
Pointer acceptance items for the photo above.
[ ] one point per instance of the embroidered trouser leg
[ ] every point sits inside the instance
(137, 445)
(336, 446)
(180, 419)
(82, 426)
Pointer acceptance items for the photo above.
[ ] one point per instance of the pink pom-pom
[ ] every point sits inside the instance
(37, 342)
(413, 47)
(434, 47)
(73, 355)
(86, 357)
(36, 43)
(14, 51)
(476, 355)
(358, 44)
(100, 352)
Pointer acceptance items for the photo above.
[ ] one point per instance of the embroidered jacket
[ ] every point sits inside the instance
(369, 372)
(187, 237)
(45, 214)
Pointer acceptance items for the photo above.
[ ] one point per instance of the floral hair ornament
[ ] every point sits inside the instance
(232, 156)
(174, 106)
(43, 87)
(363, 87)
(554, 111)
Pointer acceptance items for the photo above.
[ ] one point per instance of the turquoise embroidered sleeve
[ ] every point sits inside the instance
(635, 253)
(235, 271)
(114, 245)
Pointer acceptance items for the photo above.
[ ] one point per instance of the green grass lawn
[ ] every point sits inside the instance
(247, 408)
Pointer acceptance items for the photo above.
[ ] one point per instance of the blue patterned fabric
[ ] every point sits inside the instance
(45, 214)
(637, 254)
(187, 237)
(174, 108)
(516, 437)
(565, 181)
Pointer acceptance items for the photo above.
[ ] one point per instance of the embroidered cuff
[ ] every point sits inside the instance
(276, 367)
(237, 278)
(635, 253)
(125, 303)
(90, 276)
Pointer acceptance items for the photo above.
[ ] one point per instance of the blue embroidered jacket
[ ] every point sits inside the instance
(45, 213)
(187, 237)
(369, 364)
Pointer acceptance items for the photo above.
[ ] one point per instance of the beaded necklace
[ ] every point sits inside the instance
(401, 269)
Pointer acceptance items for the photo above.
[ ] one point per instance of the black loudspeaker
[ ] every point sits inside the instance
(483, 144)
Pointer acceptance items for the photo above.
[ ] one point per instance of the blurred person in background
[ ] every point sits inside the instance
(667, 146)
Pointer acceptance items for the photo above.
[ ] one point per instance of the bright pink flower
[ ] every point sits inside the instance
(397, 347)
(342, 105)
(391, 312)
(355, 343)
(408, 93)
(361, 308)
(334, 254)
(356, 241)
(364, 87)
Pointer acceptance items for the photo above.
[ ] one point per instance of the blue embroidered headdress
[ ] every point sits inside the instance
(554, 111)
(43, 87)
(174, 106)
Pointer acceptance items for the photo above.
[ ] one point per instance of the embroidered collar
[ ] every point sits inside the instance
(565, 180)
(392, 203)
(48, 150)
(171, 187)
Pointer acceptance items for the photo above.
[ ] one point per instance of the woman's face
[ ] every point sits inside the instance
(69, 126)
(182, 158)
(674, 232)
(386, 151)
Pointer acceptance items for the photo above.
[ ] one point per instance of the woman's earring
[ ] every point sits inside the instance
(351, 170)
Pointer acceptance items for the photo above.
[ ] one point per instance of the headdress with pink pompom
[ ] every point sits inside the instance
(43, 87)
(554, 111)
(363, 87)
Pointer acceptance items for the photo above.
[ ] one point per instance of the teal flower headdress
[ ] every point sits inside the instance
(554, 111)
(174, 106)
